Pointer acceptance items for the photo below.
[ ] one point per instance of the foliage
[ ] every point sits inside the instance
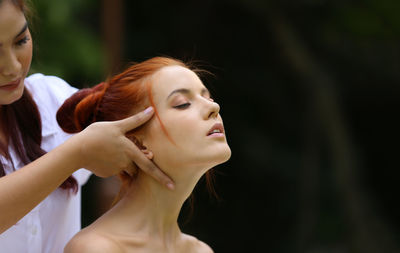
(67, 41)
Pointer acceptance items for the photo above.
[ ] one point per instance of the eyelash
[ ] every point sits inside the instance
(186, 105)
(22, 41)
(182, 106)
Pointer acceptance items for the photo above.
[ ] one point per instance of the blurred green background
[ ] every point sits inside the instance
(309, 91)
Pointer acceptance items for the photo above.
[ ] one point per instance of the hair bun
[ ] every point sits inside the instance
(80, 110)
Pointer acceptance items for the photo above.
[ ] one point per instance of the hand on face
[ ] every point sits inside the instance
(106, 151)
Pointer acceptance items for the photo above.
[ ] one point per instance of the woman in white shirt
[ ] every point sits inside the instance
(185, 139)
(39, 178)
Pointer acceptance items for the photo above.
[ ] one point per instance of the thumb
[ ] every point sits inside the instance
(136, 120)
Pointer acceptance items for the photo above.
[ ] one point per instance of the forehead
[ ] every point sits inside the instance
(12, 20)
(171, 78)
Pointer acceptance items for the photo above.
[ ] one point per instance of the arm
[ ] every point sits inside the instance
(25, 188)
(101, 148)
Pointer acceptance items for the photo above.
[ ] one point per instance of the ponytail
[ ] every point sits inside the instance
(81, 109)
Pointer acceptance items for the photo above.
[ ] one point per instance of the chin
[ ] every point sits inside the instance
(16, 94)
(11, 99)
(222, 156)
(227, 155)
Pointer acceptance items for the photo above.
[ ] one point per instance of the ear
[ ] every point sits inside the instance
(141, 146)
(148, 153)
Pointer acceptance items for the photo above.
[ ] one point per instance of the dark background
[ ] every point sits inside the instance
(309, 92)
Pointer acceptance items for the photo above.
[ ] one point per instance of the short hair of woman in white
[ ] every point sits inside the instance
(185, 139)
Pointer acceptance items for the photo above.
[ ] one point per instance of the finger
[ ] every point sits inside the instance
(148, 154)
(149, 167)
(136, 120)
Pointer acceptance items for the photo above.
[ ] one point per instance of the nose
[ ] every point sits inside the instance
(212, 109)
(9, 64)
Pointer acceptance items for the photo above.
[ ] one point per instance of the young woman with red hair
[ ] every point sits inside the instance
(185, 139)
(39, 183)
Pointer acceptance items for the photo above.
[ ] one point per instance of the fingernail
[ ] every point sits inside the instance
(170, 186)
(148, 110)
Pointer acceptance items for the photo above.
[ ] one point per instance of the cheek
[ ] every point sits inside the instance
(176, 142)
(25, 58)
(154, 136)
(183, 127)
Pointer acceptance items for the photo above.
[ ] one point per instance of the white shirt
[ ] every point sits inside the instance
(51, 224)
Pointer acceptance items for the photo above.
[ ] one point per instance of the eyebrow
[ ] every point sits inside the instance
(187, 91)
(24, 28)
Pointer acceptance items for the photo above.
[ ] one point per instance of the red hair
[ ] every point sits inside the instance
(120, 97)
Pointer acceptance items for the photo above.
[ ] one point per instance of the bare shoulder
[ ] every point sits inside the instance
(196, 245)
(204, 248)
(91, 242)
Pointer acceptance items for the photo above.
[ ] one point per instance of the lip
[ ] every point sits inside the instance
(11, 85)
(217, 126)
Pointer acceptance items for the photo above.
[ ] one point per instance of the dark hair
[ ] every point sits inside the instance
(21, 4)
(25, 6)
(24, 130)
(22, 126)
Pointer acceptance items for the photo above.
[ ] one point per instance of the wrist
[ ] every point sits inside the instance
(72, 154)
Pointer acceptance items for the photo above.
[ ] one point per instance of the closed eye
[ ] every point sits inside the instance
(182, 106)
(22, 41)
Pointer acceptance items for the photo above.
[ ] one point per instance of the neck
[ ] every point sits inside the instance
(148, 208)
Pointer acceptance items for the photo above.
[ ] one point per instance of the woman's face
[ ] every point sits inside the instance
(15, 52)
(191, 119)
